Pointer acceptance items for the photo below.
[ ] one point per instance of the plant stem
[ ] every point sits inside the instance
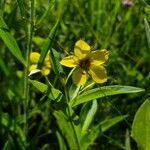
(30, 30)
(69, 113)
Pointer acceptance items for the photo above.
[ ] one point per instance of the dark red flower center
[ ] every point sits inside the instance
(85, 64)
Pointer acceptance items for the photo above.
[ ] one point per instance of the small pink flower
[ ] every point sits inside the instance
(127, 3)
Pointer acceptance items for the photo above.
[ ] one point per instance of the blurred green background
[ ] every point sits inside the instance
(104, 24)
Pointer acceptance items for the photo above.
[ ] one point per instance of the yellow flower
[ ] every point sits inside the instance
(34, 58)
(87, 63)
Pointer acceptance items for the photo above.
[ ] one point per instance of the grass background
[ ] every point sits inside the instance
(101, 23)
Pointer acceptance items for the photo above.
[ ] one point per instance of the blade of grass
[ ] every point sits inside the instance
(2, 3)
(12, 126)
(21, 7)
(4, 67)
(81, 13)
(48, 44)
(47, 11)
(147, 30)
(10, 41)
(6, 146)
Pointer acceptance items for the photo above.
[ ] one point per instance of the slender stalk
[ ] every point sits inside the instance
(30, 30)
(69, 113)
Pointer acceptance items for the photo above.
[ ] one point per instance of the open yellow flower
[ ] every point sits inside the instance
(87, 63)
(34, 58)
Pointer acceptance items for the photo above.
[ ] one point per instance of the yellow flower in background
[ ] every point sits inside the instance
(34, 58)
(87, 63)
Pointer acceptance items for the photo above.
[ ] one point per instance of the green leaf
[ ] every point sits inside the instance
(55, 56)
(52, 93)
(9, 41)
(6, 146)
(73, 89)
(88, 113)
(47, 11)
(65, 125)
(4, 67)
(108, 123)
(103, 92)
(147, 29)
(147, 2)
(91, 135)
(12, 126)
(21, 7)
(38, 40)
(89, 138)
(141, 126)
(61, 142)
(48, 44)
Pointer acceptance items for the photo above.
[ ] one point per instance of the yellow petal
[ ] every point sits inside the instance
(81, 49)
(32, 67)
(47, 58)
(47, 61)
(98, 73)
(47, 64)
(79, 77)
(70, 61)
(34, 57)
(99, 57)
(45, 71)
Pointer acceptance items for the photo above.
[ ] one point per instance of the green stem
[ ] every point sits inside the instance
(29, 46)
(69, 113)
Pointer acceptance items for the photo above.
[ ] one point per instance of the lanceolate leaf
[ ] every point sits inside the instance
(4, 67)
(88, 115)
(96, 131)
(55, 56)
(141, 126)
(6, 146)
(47, 11)
(48, 44)
(108, 123)
(12, 126)
(9, 41)
(147, 29)
(103, 92)
(66, 128)
(52, 93)
(61, 141)
(21, 7)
